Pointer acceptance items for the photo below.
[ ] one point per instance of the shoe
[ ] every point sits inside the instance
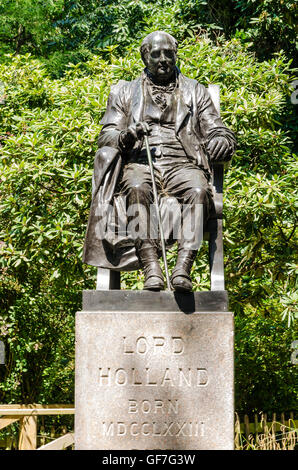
(153, 277)
(180, 279)
(148, 258)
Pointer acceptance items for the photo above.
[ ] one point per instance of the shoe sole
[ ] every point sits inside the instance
(182, 289)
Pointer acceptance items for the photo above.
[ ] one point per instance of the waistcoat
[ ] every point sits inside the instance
(162, 138)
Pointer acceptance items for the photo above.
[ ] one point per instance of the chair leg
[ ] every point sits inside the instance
(107, 279)
(216, 261)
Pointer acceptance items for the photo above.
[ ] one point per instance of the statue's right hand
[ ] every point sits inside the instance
(133, 133)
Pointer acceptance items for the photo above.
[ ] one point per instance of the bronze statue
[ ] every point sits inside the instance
(185, 134)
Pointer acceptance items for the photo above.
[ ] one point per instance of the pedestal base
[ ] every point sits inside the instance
(150, 376)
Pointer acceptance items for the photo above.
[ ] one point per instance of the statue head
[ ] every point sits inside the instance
(158, 51)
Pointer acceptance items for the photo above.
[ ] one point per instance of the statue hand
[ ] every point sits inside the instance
(219, 149)
(134, 132)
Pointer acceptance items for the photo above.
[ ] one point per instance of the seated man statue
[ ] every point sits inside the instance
(185, 134)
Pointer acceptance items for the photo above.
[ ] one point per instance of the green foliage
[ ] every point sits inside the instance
(270, 25)
(265, 378)
(64, 31)
(49, 132)
(28, 23)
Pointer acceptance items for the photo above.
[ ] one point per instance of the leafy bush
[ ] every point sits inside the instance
(269, 25)
(72, 26)
(265, 378)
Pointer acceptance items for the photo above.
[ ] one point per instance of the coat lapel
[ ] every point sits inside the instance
(184, 102)
(137, 100)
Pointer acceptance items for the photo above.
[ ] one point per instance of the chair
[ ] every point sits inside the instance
(108, 280)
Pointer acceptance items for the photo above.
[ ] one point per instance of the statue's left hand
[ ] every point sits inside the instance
(219, 149)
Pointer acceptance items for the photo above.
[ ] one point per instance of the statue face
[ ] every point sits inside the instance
(161, 58)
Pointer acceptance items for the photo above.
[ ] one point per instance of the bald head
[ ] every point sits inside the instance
(156, 36)
(158, 51)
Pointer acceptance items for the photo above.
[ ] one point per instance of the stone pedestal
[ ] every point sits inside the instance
(154, 371)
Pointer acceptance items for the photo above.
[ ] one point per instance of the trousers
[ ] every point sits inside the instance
(177, 178)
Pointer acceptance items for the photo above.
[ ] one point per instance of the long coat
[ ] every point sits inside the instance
(197, 122)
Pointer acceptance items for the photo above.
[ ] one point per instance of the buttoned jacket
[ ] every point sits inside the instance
(197, 120)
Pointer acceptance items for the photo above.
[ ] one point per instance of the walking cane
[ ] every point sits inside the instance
(162, 239)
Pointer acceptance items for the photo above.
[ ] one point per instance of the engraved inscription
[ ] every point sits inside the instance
(155, 416)
(167, 345)
(155, 429)
(153, 406)
(177, 377)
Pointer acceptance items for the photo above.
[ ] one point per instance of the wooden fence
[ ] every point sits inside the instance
(27, 416)
(279, 433)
